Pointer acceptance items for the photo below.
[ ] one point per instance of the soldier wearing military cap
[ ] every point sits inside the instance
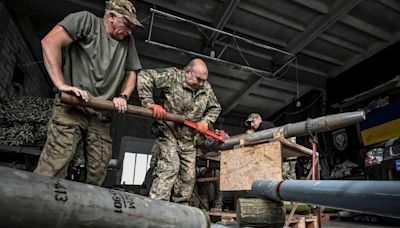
(100, 61)
(256, 123)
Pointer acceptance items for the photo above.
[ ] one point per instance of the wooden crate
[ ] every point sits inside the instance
(304, 222)
(246, 163)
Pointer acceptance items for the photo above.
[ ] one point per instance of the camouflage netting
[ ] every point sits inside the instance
(27, 109)
(23, 120)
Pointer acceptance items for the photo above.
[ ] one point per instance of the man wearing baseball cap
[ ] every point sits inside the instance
(100, 61)
(255, 122)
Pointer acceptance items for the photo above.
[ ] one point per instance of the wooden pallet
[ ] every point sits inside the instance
(306, 221)
(225, 217)
(328, 216)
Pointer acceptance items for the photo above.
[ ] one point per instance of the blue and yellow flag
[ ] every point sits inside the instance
(381, 124)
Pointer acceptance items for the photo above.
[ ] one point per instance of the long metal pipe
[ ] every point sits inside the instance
(106, 105)
(317, 125)
(30, 200)
(373, 197)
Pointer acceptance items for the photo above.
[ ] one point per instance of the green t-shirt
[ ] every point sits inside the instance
(94, 61)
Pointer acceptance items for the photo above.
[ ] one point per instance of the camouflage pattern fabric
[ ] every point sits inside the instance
(218, 194)
(62, 139)
(23, 120)
(178, 97)
(154, 152)
(289, 170)
(125, 8)
(175, 170)
(177, 157)
(26, 109)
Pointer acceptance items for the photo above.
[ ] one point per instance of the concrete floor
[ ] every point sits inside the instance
(337, 223)
(345, 224)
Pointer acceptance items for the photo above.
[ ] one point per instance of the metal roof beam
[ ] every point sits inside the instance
(267, 14)
(301, 67)
(259, 36)
(254, 83)
(223, 17)
(343, 43)
(321, 24)
(315, 5)
(392, 4)
(361, 57)
(367, 28)
(322, 57)
(88, 4)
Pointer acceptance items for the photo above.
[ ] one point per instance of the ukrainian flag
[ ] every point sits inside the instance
(381, 124)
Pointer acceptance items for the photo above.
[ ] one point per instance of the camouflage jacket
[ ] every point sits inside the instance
(177, 96)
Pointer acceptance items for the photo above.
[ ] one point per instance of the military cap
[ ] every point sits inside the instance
(125, 8)
(251, 117)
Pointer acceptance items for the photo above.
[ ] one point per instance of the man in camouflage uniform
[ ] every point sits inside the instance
(184, 92)
(101, 61)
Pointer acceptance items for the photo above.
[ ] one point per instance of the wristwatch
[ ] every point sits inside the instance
(125, 97)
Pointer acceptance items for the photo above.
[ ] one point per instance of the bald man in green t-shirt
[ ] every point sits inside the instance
(100, 61)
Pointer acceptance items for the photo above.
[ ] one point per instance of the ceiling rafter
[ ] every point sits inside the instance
(222, 18)
(234, 101)
(321, 24)
(372, 51)
(366, 28)
(343, 43)
(267, 14)
(288, 88)
(391, 4)
(275, 99)
(316, 28)
(322, 57)
(177, 8)
(314, 4)
(258, 35)
(85, 3)
(247, 51)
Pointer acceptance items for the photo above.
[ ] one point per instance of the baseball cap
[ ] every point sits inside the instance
(125, 8)
(251, 117)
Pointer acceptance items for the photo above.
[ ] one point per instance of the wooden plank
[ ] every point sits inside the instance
(301, 221)
(241, 166)
(207, 179)
(222, 214)
(260, 212)
(290, 149)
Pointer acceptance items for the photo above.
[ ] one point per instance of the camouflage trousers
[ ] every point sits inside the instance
(175, 170)
(208, 192)
(63, 132)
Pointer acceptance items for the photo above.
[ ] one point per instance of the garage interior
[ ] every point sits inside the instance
(288, 60)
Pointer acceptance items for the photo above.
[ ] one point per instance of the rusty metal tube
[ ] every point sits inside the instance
(317, 125)
(31, 200)
(106, 105)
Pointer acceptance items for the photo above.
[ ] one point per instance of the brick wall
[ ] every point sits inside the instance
(14, 52)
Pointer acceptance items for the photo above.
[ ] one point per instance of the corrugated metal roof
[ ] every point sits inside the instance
(328, 37)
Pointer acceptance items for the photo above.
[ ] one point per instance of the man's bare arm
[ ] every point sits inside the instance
(129, 83)
(52, 45)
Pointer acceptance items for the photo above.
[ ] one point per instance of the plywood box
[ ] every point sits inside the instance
(241, 166)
